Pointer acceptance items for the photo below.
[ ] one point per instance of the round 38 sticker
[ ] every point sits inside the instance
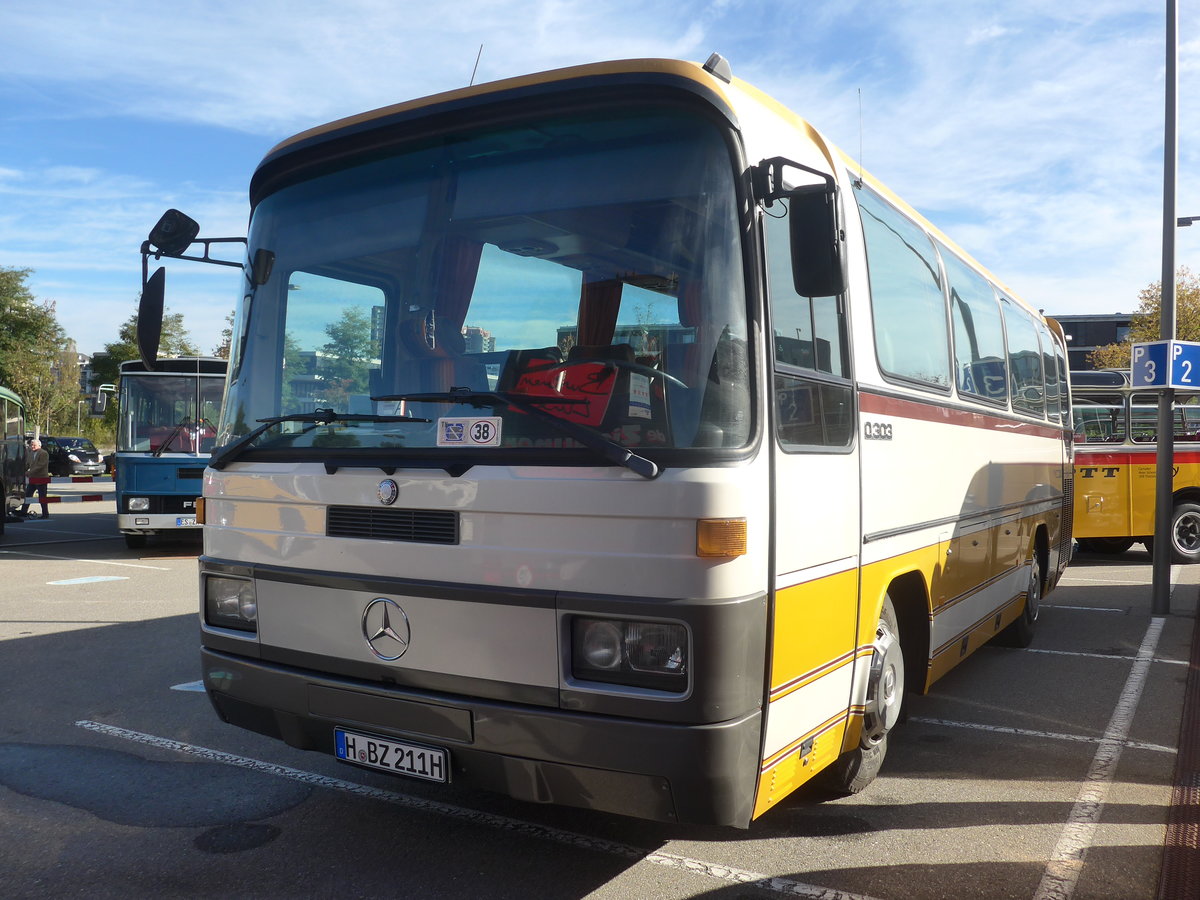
(482, 431)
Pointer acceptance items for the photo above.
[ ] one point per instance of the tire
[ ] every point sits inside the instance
(1019, 632)
(857, 768)
(1185, 533)
(135, 541)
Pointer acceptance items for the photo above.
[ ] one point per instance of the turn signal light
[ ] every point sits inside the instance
(720, 537)
(199, 510)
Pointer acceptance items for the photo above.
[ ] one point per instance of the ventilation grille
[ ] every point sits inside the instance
(420, 526)
(1068, 517)
(190, 473)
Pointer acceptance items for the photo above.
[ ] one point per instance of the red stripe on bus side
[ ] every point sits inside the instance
(932, 411)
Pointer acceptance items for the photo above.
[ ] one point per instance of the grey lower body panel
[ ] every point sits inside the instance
(670, 772)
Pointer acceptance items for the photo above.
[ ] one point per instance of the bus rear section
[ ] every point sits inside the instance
(1116, 466)
(166, 429)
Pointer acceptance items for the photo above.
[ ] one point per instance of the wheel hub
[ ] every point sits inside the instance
(885, 686)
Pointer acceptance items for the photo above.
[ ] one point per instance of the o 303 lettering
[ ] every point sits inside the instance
(877, 431)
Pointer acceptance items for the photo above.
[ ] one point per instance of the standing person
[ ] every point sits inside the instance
(37, 476)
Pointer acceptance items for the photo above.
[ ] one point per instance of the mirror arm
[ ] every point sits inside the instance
(767, 179)
(147, 251)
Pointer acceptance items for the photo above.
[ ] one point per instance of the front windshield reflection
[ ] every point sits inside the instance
(592, 266)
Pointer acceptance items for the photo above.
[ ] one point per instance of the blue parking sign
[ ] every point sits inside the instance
(1166, 364)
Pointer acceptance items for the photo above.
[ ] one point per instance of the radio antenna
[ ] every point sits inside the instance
(860, 140)
(476, 69)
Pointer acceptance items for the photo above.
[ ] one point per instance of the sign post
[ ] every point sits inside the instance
(1164, 366)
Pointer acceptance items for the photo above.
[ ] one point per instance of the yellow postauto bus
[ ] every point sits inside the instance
(605, 437)
(1116, 466)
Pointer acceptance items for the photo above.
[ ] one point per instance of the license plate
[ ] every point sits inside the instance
(430, 763)
(183, 521)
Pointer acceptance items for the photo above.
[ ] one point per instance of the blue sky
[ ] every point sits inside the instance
(1030, 132)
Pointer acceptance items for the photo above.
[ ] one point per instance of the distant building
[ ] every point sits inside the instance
(478, 340)
(1086, 333)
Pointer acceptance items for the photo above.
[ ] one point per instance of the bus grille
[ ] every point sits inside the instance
(421, 526)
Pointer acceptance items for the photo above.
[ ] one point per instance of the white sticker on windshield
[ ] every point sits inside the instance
(483, 431)
(639, 397)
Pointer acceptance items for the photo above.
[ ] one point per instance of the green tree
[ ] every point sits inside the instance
(221, 351)
(347, 355)
(175, 341)
(1146, 323)
(36, 360)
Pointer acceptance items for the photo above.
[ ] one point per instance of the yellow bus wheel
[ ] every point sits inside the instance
(1185, 533)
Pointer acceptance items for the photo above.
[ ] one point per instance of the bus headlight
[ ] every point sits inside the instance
(230, 603)
(630, 652)
(139, 504)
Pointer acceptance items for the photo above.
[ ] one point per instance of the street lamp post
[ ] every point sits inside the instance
(1160, 592)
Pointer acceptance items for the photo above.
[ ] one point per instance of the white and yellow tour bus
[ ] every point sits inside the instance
(604, 437)
(1116, 466)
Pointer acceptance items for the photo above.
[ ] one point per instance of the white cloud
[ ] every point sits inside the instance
(1031, 132)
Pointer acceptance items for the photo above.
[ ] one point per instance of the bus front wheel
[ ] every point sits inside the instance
(135, 541)
(854, 770)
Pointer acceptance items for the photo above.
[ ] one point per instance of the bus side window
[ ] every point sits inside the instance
(978, 333)
(809, 338)
(1024, 361)
(908, 309)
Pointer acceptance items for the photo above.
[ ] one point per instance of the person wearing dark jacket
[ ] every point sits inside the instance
(37, 475)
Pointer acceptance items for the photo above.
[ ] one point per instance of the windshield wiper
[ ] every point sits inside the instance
(178, 430)
(223, 456)
(598, 443)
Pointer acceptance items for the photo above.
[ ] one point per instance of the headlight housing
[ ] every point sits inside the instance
(139, 504)
(230, 603)
(631, 652)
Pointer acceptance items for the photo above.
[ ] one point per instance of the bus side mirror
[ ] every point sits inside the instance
(817, 237)
(150, 317)
(173, 233)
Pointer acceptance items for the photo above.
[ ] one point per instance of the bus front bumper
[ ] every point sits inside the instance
(688, 774)
(149, 523)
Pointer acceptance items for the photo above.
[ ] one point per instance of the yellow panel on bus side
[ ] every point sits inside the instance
(812, 669)
(1109, 487)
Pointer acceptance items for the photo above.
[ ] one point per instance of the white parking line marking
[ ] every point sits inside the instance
(1157, 659)
(1106, 609)
(99, 562)
(531, 829)
(1062, 872)
(1028, 732)
(193, 686)
(91, 579)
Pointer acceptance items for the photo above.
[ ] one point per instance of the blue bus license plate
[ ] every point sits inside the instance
(429, 763)
(183, 521)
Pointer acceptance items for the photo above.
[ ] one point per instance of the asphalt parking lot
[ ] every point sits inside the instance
(1045, 772)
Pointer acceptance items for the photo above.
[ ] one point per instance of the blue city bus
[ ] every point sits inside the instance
(12, 453)
(167, 419)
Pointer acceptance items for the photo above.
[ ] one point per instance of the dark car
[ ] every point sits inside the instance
(73, 456)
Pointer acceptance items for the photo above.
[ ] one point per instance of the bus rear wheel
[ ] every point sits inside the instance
(1019, 632)
(1185, 533)
(857, 768)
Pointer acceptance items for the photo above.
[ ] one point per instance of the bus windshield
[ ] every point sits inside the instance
(168, 413)
(590, 265)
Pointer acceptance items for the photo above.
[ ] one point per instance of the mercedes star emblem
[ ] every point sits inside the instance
(388, 492)
(385, 627)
